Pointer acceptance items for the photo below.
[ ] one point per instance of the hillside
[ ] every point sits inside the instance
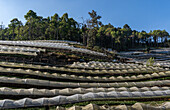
(56, 74)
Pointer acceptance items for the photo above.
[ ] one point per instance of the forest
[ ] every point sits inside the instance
(92, 33)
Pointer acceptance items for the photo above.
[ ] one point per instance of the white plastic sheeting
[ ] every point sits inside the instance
(82, 78)
(70, 91)
(66, 69)
(163, 64)
(73, 77)
(28, 102)
(19, 50)
(116, 71)
(136, 106)
(161, 51)
(37, 82)
(104, 65)
(51, 45)
(60, 41)
(115, 66)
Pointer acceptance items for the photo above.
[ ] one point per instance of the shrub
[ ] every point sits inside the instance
(97, 48)
(150, 62)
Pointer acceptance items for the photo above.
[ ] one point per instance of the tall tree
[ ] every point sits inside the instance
(13, 25)
(94, 19)
(93, 25)
(31, 17)
(55, 22)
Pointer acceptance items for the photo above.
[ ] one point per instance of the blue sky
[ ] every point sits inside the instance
(139, 14)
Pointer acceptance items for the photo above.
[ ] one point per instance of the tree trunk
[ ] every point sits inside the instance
(13, 35)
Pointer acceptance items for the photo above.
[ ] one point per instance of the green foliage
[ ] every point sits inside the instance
(93, 22)
(96, 48)
(92, 33)
(150, 61)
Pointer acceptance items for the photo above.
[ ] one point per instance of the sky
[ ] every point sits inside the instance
(138, 14)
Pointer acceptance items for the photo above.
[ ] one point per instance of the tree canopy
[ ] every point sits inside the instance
(92, 33)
